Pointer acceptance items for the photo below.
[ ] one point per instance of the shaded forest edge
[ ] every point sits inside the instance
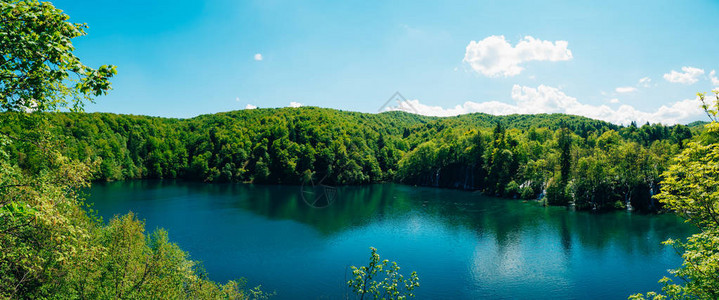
(567, 160)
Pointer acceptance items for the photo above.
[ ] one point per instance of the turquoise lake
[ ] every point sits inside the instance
(463, 245)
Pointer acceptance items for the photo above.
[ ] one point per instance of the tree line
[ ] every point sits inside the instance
(567, 159)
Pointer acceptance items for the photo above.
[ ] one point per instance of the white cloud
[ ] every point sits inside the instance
(614, 100)
(250, 106)
(258, 56)
(295, 104)
(644, 82)
(29, 106)
(713, 77)
(688, 77)
(545, 99)
(494, 56)
(625, 89)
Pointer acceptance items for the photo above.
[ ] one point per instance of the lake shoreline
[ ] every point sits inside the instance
(538, 201)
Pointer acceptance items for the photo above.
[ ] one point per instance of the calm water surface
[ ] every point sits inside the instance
(462, 245)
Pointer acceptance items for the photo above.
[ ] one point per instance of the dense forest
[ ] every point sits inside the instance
(569, 159)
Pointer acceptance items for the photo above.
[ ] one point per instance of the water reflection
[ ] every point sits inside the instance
(463, 244)
(502, 219)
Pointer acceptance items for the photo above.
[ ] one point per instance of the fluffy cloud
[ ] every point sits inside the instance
(250, 106)
(545, 99)
(715, 80)
(494, 56)
(614, 100)
(258, 57)
(28, 105)
(625, 89)
(295, 104)
(644, 82)
(689, 76)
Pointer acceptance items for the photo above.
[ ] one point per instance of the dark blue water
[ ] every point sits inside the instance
(463, 245)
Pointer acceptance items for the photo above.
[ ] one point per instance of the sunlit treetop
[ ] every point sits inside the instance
(38, 70)
(711, 107)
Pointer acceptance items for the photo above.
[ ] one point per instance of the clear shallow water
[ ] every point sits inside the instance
(462, 245)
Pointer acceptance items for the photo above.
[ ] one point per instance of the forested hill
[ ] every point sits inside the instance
(594, 163)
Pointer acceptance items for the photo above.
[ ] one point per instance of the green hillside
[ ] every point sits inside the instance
(511, 156)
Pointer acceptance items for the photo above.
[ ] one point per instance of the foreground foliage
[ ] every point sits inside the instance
(381, 280)
(38, 70)
(50, 247)
(691, 189)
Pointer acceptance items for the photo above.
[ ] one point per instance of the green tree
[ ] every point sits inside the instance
(564, 142)
(42, 227)
(691, 189)
(369, 280)
(37, 60)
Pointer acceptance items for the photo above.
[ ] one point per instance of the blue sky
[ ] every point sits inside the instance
(185, 58)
